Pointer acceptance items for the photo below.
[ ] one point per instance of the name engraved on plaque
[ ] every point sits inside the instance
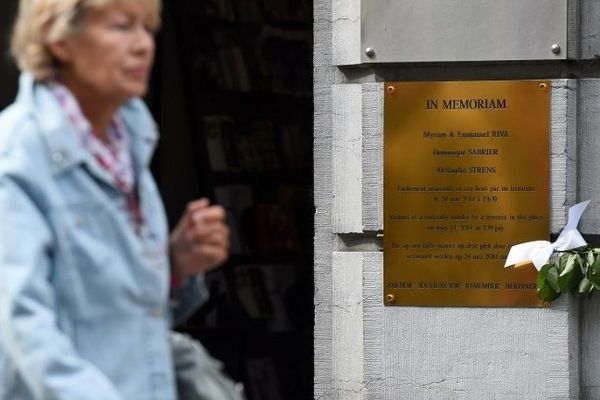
(466, 171)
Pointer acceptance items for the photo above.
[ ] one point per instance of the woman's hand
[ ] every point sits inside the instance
(200, 241)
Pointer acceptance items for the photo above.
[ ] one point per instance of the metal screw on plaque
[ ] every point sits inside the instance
(390, 90)
(555, 48)
(370, 52)
(543, 86)
(389, 297)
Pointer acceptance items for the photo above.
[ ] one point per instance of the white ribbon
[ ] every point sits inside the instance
(538, 252)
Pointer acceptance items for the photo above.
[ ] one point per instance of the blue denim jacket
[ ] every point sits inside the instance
(84, 300)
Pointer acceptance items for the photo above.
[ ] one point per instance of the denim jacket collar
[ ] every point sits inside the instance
(63, 146)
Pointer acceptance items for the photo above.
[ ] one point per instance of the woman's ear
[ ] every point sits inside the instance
(60, 50)
(56, 45)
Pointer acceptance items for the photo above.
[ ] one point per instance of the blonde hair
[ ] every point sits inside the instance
(40, 22)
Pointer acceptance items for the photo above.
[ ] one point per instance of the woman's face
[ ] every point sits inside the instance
(112, 53)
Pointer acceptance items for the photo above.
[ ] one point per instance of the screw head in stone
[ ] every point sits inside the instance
(370, 52)
(555, 48)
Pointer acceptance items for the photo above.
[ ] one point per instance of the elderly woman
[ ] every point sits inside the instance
(90, 280)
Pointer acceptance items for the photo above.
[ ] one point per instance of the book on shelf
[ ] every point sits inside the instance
(234, 146)
(219, 132)
(256, 60)
(246, 53)
(252, 11)
(262, 289)
(236, 199)
(212, 309)
(234, 73)
(278, 49)
(257, 149)
(277, 224)
(248, 11)
(222, 9)
(252, 293)
(279, 278)
(268, 229)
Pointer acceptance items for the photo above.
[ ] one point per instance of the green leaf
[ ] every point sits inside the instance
(541, 275)
(595, 285)
(545, 293)
(544, 289)
(552, 278)
(570, 277)
(585, 286)
(569, 264)
(593, 272)
(561, 262)
(589, 260)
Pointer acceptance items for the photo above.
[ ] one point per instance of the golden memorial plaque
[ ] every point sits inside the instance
(466, 176)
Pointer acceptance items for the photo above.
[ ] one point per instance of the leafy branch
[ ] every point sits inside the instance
(576, 271)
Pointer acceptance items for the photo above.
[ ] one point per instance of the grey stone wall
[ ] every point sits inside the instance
(366, 351)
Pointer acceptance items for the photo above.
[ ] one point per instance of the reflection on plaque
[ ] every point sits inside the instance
(466, 175)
